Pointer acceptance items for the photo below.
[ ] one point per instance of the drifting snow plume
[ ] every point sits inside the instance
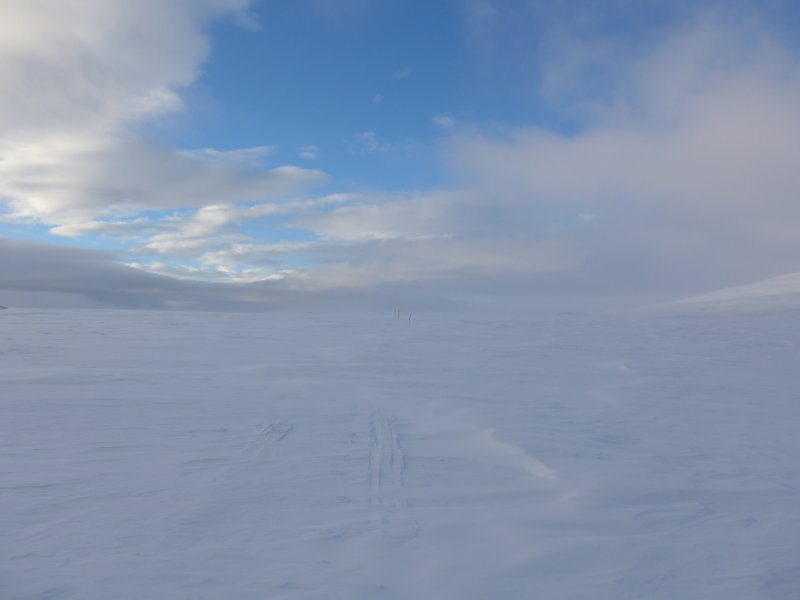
(782, 290)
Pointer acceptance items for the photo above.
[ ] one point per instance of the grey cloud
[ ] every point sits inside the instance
(35, 268)
(35, 274)
(440, 260)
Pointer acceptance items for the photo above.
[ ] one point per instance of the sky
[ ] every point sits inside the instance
(245, 154)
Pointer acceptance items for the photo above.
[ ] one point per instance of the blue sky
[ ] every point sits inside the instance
(362, 86)
(440, 149)
(303, 80)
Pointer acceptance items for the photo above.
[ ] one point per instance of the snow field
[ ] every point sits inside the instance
(199, 455)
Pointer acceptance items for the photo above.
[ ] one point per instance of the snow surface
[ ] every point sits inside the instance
(226, 456)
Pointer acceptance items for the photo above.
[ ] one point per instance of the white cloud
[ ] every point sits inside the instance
(123, 227)
(690, 180)
(382, 218)
(92, 65)
(439, 261)
(403, 73)
(212, 272)
(78, 78)
(480, 16)
(366, 142)
(308, 152)
(54, 181)
(444, 120)
(247, 157)
(218, 226)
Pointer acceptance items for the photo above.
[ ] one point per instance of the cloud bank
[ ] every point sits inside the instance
(684, 177)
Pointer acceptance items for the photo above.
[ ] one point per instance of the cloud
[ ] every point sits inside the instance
(58, 181)
(382, 218)
(480, 17)
(442, 261)
(79, 80)
(192, 235)
(403, 73)
(308, 152)
(92, 65)
(211, 237)
(247, 157)
(664, 163)
(685, 166)
(444, 120)
(35, 268)
(121, 227)
(678, 175)
(33, 273)
(448, 239)
(367, 142)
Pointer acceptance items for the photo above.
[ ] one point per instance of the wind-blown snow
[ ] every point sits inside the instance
(207, 456)
(783, 290)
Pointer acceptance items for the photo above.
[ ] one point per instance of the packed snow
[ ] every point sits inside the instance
(642, 455)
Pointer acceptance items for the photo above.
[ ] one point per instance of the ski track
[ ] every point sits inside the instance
(386, 464)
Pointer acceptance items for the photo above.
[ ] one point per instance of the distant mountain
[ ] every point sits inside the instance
(3, 307)
(781, 291)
